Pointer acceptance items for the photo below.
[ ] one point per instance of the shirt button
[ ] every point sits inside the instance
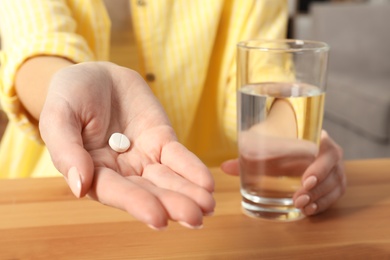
(141, 2)
(150, 77)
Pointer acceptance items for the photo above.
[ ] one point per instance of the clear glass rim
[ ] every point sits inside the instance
(300, 45)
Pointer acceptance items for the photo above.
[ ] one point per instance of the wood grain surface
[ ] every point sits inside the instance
(40, 219)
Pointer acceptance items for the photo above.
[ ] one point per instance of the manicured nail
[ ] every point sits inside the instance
(311, 209)
(156, 228)
(74, 181)
(310, 182)
(302, 201)
(185, 224)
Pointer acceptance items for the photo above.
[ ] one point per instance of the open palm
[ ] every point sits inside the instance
(157, 179)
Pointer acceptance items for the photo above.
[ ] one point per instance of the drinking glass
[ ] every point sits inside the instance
(280, 102)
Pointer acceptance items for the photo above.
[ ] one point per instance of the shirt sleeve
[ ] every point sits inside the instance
(41, 27)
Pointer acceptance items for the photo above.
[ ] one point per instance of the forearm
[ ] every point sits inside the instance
(49, 33)
(33, 79)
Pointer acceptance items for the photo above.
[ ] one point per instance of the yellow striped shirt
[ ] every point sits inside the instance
(188, 46)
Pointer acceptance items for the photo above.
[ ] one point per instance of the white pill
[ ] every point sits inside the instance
(119, 142)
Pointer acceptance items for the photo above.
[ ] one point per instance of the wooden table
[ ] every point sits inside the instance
(40, 219)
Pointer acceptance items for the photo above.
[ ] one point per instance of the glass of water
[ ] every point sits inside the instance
(280, 102)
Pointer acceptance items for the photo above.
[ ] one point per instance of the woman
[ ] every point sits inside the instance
(182, 96)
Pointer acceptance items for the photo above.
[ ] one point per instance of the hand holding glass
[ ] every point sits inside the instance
(281, 92)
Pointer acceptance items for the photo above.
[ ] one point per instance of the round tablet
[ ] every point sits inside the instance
(119, 142)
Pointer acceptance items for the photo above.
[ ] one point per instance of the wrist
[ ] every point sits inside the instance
(32, 81)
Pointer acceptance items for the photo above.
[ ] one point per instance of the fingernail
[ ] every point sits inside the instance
(185, 224)
(156, 228)
(311, 209)
(310, 182)
(302, 201)
(74, 181)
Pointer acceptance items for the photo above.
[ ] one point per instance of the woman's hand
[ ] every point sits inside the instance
(156, 180)
(323, 180)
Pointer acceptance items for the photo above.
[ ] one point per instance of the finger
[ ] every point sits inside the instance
(331, 183)
(330, 155)
(189, 166)
(275, 156)
(328, 160)
(61, 133)
(116, 191)
(163, 177)
(334, 181)
(231, 167)
(323, 203)
(179, 208)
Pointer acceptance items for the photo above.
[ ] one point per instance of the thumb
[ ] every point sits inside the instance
(78, 169)
(62, 135)
(231, 167)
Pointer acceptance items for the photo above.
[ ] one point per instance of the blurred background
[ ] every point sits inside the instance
(357, 109)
